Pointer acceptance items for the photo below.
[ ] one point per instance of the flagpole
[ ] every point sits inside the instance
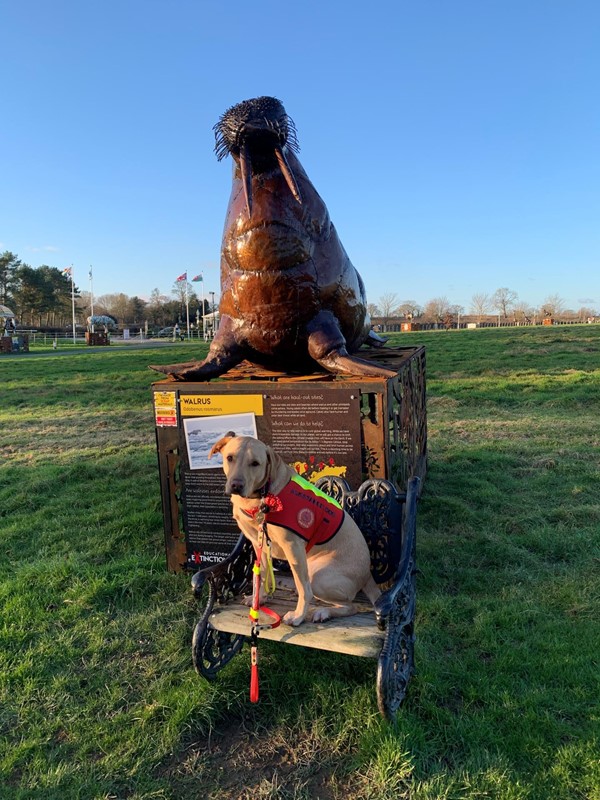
(203, 319)
(200, 277)
(92, 297)
(73, 303)
(187, 308)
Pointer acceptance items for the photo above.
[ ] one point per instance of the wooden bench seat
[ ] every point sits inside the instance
(355, 636)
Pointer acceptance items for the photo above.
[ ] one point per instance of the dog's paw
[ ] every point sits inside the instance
(291, 618)
(321, 615)
(248, 599)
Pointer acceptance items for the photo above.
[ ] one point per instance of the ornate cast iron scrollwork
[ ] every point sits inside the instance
(395, 611)
(212, 649)
(376, 508)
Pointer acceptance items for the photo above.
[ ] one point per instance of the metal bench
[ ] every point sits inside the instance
(387, 519)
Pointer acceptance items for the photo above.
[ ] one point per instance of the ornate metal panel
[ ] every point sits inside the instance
(377, 510)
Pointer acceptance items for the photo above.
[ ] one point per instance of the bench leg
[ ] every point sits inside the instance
(212, 649)
(397, 659)
(396, 666)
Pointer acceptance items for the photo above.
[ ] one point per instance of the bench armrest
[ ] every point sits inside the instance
(401, 591)
(228, 577)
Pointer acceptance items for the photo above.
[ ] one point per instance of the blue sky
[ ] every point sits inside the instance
(455, 142)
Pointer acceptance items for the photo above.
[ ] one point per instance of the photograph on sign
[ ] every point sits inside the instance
(202, 432)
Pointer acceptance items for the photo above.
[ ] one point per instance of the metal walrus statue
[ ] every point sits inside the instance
(290, 296)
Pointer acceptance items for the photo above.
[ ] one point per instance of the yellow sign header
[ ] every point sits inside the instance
(212, 405)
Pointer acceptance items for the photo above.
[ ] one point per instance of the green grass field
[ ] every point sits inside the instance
(98, 696)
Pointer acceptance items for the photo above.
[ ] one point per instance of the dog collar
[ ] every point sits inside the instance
(270, 502)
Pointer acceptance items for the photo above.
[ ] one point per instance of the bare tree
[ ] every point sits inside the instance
(117, 305)
(373, 309)
(437, 309)
(158, 311)
(523, 313)
(387, 306)
(503, 300)
(585, 313)
(388, 303)
(553, 305)
(457, 310)
(85, 303)
(410, 309)
(481, 303)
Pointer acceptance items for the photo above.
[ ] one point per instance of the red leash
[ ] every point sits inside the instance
(256, 609)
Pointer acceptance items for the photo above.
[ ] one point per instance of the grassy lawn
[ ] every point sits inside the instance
(98, 696)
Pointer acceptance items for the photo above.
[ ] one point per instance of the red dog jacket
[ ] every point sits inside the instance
(305, 510)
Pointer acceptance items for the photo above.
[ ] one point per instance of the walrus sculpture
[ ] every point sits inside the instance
(290, 296)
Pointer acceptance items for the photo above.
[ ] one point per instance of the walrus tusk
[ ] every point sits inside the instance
(287, 173)
(246, 177)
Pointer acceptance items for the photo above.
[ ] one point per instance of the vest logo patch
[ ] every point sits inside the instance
(305, 518)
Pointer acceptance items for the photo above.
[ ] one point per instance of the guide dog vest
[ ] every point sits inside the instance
(305, 510)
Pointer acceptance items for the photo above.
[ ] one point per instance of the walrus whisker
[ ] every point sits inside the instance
(246, 168)
(291, 135)
(287, 173)
(221, 146)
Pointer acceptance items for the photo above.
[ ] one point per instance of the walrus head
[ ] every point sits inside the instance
(256, 133)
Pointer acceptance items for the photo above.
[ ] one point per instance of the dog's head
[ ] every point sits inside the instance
(246, 463)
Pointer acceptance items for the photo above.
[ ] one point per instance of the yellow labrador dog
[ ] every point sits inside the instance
(325, 549)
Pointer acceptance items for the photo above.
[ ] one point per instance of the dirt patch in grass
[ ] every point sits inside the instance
(240, 764)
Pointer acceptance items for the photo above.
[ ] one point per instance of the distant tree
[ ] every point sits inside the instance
(179, 290)
(58, 287)
(9, 263)
(437, 309)
(585, 313)
(182, 290)
(481, 303)
(156, 308)
(387, 303)
(42, 293)
(553, 305)
(410, 309)
(387, 307)
(523, 313)
(85, 304)
(137, 310)
(457, 311)
(116, 305)
(503, 300)
(30, 294)
(373, 309)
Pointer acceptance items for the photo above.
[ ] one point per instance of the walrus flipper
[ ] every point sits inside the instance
(327, 346)
(340, 363)
(199, 370)
(224, 353)
(375, 340)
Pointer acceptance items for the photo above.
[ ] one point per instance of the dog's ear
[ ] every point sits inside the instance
(220, 444)
(270, 454)
(274, 462)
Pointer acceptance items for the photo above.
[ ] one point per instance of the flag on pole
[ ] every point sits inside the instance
(67, 271)
(182, 277)
(198, 278)
(90, 272)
